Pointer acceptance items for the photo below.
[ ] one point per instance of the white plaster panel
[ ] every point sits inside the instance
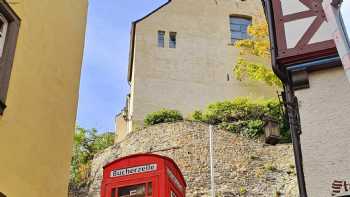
(324, 110)
(292, 6)
(324, 33)
(296, 29)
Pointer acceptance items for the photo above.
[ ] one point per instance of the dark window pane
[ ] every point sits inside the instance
(134, 191)
(240, 20)
(113, 193)
(172, 40)
(149, 189)
(161, 39)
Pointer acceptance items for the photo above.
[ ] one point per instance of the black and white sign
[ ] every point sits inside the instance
(134, 170)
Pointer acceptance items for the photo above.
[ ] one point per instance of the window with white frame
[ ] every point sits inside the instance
(239, 27)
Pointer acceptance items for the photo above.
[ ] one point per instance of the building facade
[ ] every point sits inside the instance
(324, 110)
(317, 93)
(41, 44)
(182, 57)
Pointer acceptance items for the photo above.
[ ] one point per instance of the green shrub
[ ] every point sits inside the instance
(162, 116)
(254, 128)
(197, 115)
(244, 116)
(87, 142)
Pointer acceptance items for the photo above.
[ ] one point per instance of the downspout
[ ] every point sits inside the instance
(273, 50)
(290, 99)
(295, 128)
(332, 11)
(211, 157)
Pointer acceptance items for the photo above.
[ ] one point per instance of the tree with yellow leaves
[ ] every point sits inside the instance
(257, 45)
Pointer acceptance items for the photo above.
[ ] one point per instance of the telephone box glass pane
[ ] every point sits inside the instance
(134, 191)
(346, 16)
(149, 191)
(113, 193)
(173, 194)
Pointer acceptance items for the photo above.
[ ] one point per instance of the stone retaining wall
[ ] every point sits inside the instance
(243, 167)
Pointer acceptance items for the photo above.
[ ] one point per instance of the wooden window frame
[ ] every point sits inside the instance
(7, 57)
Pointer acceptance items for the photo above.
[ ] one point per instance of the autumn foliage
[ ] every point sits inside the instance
(257, 45)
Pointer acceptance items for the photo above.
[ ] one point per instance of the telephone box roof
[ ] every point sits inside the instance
(150, 156)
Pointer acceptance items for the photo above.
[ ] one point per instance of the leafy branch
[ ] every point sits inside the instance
(257, 45)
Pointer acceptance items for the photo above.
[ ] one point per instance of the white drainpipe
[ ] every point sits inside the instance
(212, 180)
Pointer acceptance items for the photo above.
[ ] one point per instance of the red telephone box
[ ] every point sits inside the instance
(143, 175)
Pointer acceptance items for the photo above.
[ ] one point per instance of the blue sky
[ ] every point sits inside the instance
(346, 14)
(104, 84)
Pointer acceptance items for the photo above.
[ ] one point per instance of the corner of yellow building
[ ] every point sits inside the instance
(37, 125)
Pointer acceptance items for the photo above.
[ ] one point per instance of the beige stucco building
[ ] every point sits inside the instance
(324, 113)
(40, 93)
(182, 57)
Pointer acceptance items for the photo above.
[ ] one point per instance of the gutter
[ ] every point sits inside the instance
(290, 100)
(273, 50)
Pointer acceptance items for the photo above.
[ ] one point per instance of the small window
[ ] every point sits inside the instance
(238, 28)
(9, 27)
(3, 32)
(161, 35)
(172, 40)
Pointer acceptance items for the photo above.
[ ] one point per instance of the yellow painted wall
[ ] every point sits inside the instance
(36, 130)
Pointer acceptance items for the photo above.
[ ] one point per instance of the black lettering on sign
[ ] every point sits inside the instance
(133, 170)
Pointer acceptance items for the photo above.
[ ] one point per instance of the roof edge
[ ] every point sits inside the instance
(132, 38)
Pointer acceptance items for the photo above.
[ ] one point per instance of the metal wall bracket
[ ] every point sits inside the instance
(300, 79)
